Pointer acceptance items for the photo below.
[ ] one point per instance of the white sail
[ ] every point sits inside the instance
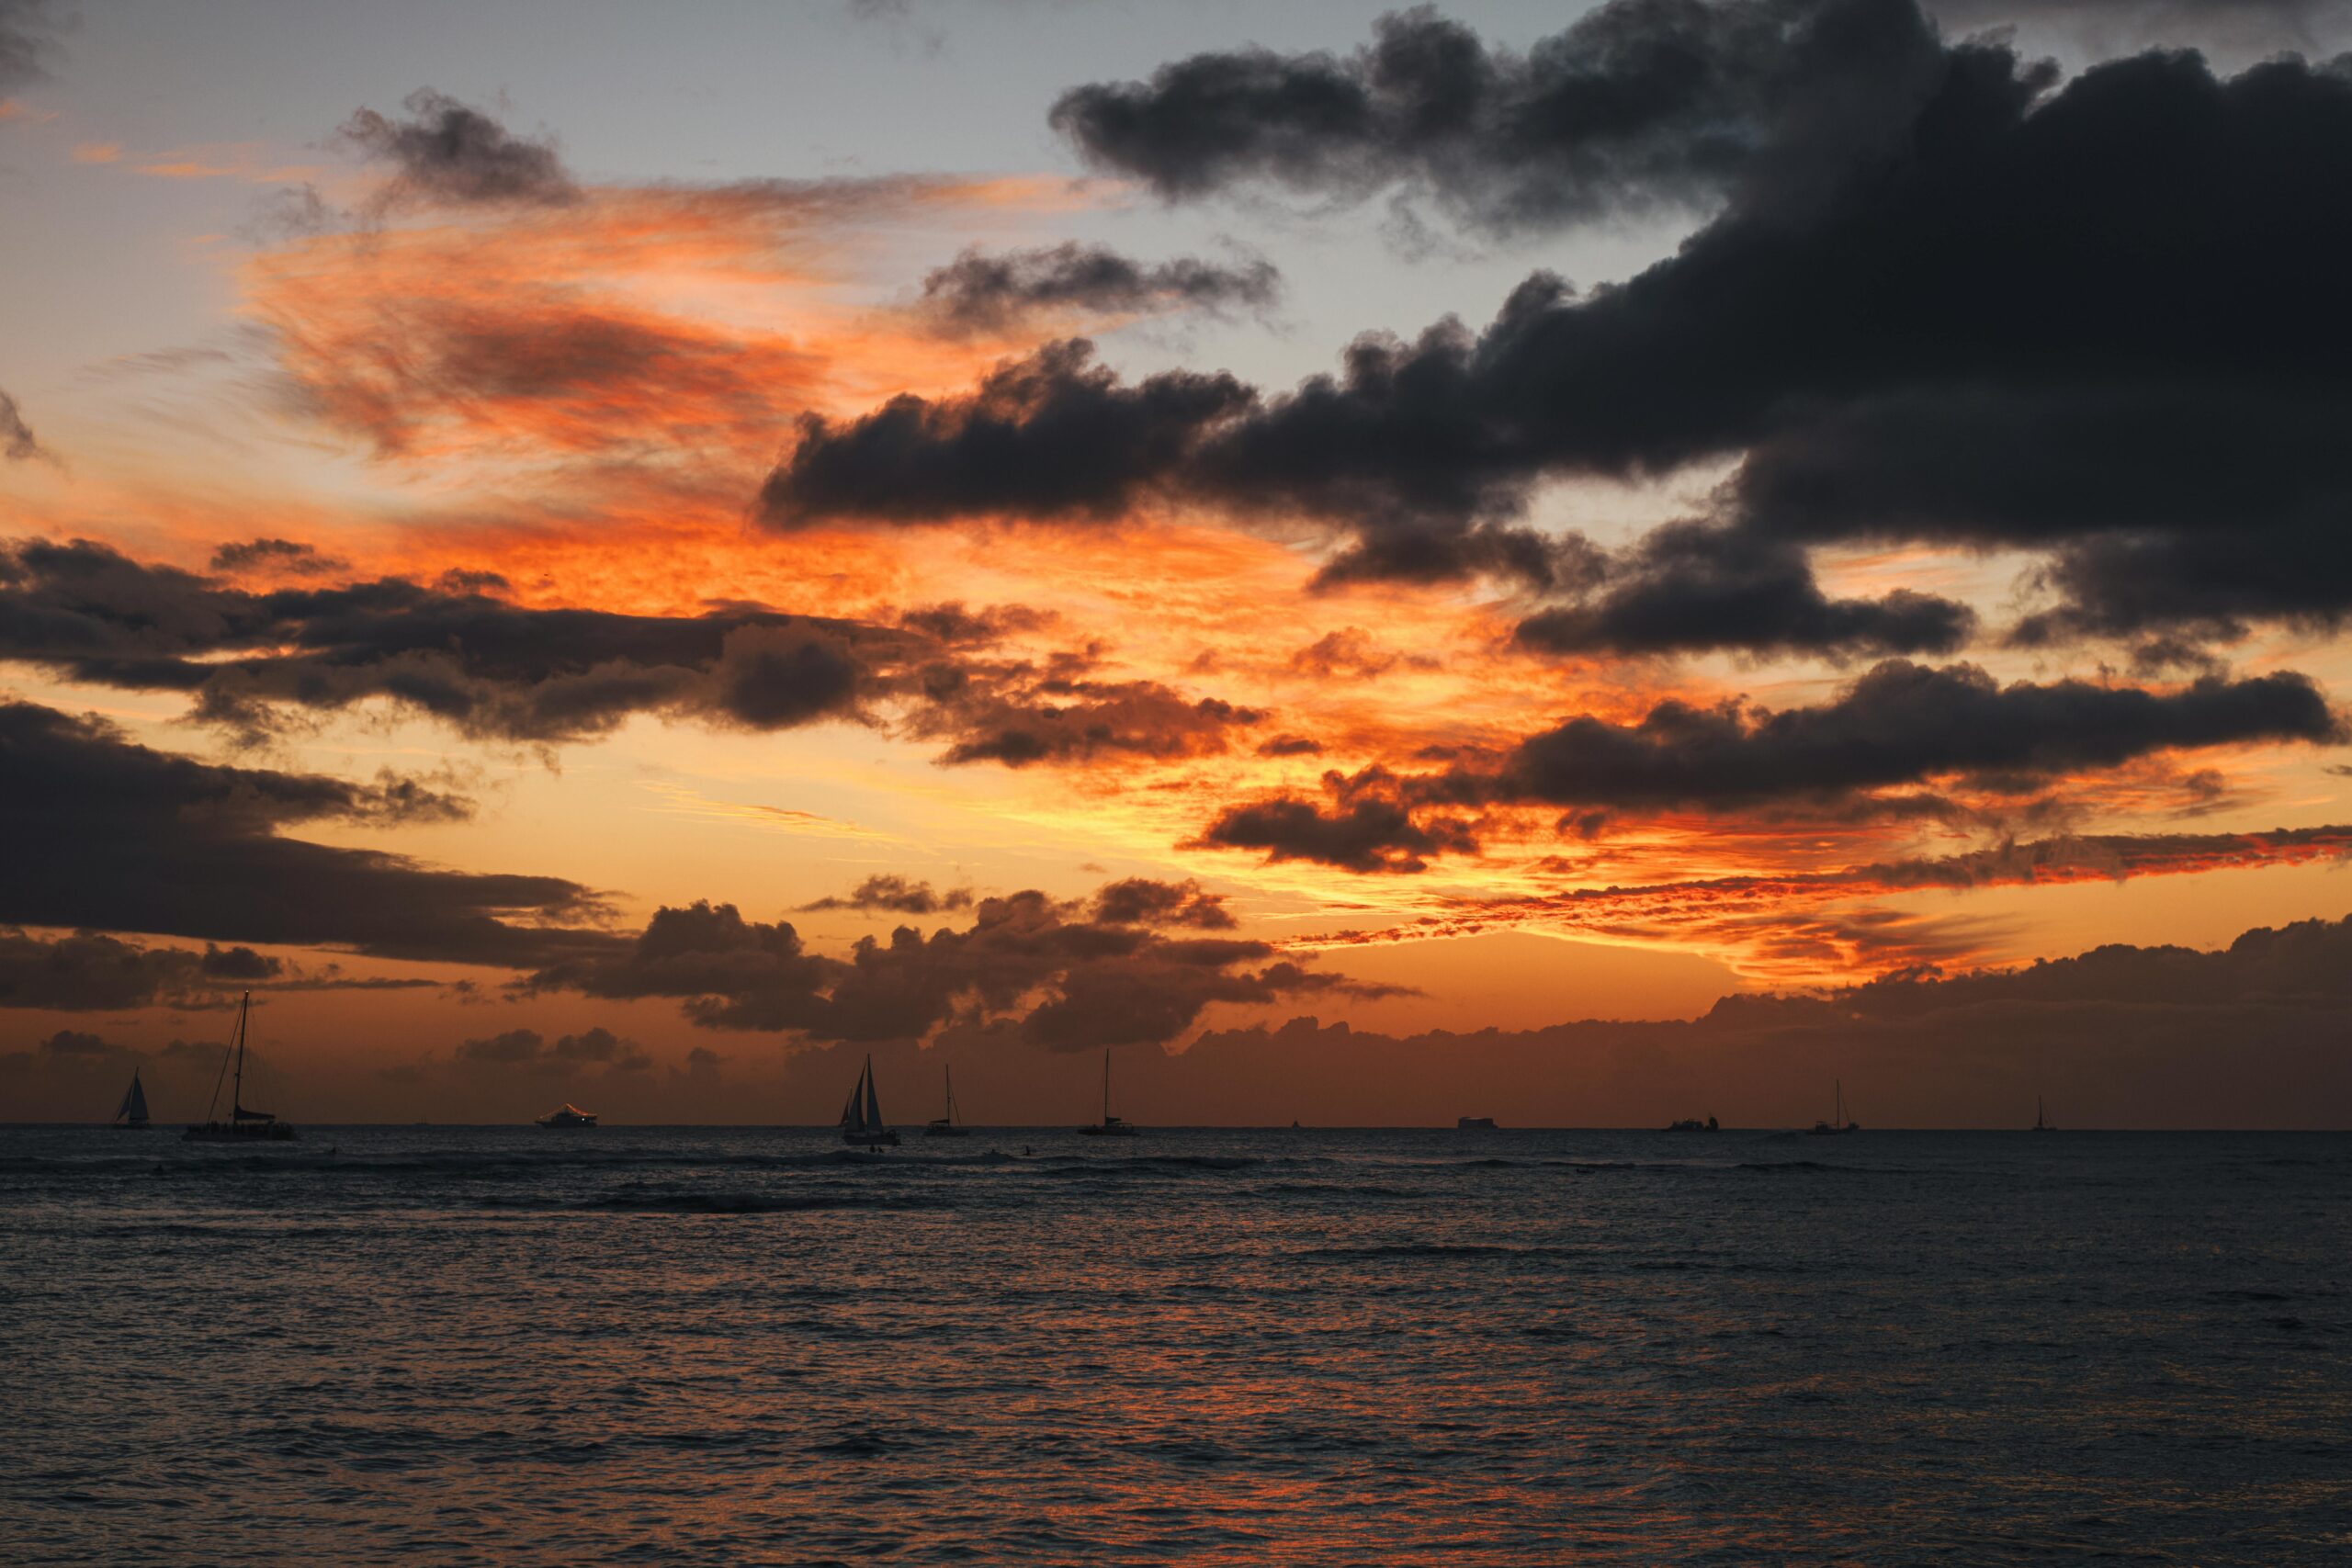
(133, 1108)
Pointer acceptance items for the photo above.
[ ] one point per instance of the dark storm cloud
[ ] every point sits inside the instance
(18, 443)
(105, 834)
(2166, 507)
(443, 151)
(1980, 344)
(1081, 721)
(1366, 836)
(1371, 824)
(1050, 436)
(1141, 901)
(897, 894)
(979, 291)
(90, 972)
(1065, 982)
(1689, 588)
(1898, 724)
(1639, 105)
(483, 666)
(494, 670)
(716, 961)
(2098, 321)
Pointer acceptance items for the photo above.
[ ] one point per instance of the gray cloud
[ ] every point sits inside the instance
(979, 291)
(1637, 105)
(108, 835)
(443, 151)
(494, 669)
(29, 30)
(17, 443)
(897, 894)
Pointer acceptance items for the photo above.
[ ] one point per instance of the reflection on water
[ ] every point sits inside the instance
(494, 1344)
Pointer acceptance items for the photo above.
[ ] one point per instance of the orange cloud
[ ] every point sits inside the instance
(247, 160)
(651, 323)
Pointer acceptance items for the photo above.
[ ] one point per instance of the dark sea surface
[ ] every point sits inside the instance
(500, 1345)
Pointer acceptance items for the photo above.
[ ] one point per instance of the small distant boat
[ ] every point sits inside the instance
(2041, 1123)
(1110, 1126)
(862, 1117)
(570, 1115)
(1837, 1124)
(1474, 1125)
(130, 1116)
(945, 1126)
(243, 1125)
(1692, 1124)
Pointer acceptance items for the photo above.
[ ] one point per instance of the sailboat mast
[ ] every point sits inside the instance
(237, 1097)
(1107, 1086)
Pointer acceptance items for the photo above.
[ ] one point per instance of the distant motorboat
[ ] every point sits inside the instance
(2041, 1123)
(1692, 1124)
(862, 1117)
(1474, 1125)
(945, 1126)
(570, 1115)
(243, 1125)
(130, 1116)
(1837, 1124)
(1110, 1126)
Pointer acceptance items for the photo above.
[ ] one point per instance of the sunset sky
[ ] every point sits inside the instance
(581, 551)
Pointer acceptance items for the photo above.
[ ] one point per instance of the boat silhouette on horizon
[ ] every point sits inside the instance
(1110, 1126)
(130, 1116)
(945, 1126)
(567, 1115)
(1838, 1123)
(243, 1126)
(862, 1124)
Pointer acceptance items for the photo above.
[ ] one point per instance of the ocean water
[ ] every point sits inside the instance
(684, 1346)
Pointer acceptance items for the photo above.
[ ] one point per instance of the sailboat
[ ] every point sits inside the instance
(1838, 1123)
(945, 1126)
(1110, 1126)
(132, 1114)
(2041, 1123)
(862, 1117)
(243, 1125)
